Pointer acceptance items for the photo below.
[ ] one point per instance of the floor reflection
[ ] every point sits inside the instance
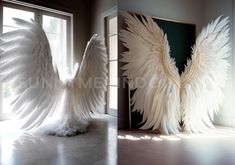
(141, 135)
(212, 148)
(20, 148)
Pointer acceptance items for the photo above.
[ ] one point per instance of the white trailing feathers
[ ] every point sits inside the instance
(166, 98)
(43, 101)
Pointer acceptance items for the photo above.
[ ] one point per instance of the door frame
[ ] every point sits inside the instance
(105, 16)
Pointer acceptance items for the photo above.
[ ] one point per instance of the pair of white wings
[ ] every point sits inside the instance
(166, 98)
(26, 62)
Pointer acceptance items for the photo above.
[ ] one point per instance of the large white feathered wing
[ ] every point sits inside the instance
(90, 81)
(153, 74)
(26, 63)
(205, 76)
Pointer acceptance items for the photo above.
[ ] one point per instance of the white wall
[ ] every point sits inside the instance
(100, 7)
(213, 9)
(189, 11)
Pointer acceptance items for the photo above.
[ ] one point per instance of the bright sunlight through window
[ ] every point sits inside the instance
(56, 27)
(113, 65)
(9, 25)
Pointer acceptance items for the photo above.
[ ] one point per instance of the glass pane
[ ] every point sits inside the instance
(113, 73)
(113, 47)
(113, 26)
(113, 97)
(8, 29)
(56, 32)
(9, 13)
(7, 98)
(9, 25)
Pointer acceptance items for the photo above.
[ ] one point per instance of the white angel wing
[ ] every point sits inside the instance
(26, 63)
(148, 60)
(205, 76)
(90, 83)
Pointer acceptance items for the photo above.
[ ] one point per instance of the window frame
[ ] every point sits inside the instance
(39, 11)
(109, 110)
(69, 31)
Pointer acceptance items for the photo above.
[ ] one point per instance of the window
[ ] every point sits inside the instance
(57, 26)
(9, 13)
(7, 26)
(112, 38)
(56, 31)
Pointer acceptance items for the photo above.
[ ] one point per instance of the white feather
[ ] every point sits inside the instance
(205, 77)
(165, 96)
(148, 59)
(44, 102)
